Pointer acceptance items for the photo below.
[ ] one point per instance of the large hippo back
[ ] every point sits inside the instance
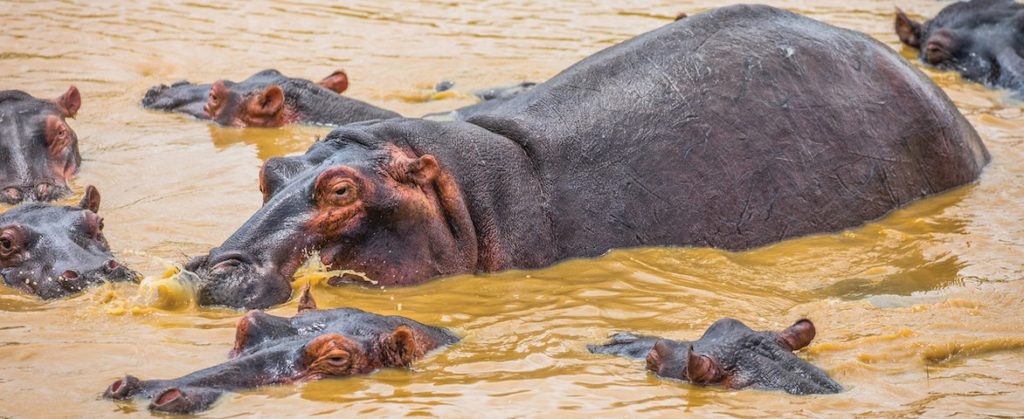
(735, 128)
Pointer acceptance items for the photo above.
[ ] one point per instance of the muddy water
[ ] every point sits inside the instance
(918, 313)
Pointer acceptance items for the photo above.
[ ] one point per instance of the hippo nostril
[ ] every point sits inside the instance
(123, 388)
(229, 261)
(69, 275)
(42, 190)
(112, 265)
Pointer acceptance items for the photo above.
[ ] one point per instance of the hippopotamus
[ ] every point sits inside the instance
(266, 99)
(981, 39)
(731, 355)
(312, 345)
(55, 251)
(38, 149)
(734, 128)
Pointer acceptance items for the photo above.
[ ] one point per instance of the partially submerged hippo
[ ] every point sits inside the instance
(266, 99)
(38, 149)
(734, 128)
(271, 350)
(981, 39)
(55, 251)
(731, 355)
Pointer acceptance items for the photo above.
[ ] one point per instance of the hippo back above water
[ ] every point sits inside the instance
(734, 128)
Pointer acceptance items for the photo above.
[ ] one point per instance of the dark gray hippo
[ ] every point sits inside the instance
(734, 128)
(55, 251)
(271, 350)
(731, 355)
(981, 39)
(38, 149)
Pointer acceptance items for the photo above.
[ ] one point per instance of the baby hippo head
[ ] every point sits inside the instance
(38, 149)
(271, 350)
(55, 251)
(268, 99)
(733, 356)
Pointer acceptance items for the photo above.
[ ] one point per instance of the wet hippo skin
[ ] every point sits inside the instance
(731, 355)
(734, 128)
(312, 345)
(38, 149)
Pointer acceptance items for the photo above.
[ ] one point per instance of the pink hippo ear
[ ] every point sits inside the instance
(797, 336)
(91, 199)
(269, 102)
(337, 82)
(423, 170)
(402, 347)
(656, 357)
(907, 29)
(306, 301)
(69, 102)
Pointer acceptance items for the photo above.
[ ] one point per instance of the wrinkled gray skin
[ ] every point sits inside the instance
(55, 251)
(270, 350)
(734, 128)
(981, 39)
(744, 358)
(38, 150)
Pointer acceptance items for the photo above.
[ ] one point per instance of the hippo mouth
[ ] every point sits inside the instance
(70, 281)
(235, 279)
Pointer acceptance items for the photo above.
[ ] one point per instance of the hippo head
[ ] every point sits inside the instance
(182, 97)
(271, 350)
(267, 99)
(731, 355)
(38, 150)
(54, 251)
(361, 204)
(980, 39)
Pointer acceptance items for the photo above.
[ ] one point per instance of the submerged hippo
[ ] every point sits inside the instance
(981, 39)
(271, 350)
(266, 99)
(38, 149)
(733, 128)
(55, 251)
(731, 355)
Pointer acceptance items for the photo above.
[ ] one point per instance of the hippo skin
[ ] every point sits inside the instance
(55, 251)
(313, 345)
(983, 40)
(38, 149)
(734, 128)
(266, 99)
(731, 355)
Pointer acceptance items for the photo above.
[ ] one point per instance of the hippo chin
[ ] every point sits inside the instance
(731, 355)
(55, 251)
(734, 128)
(38, 149)
(271, 350)
(980, 39)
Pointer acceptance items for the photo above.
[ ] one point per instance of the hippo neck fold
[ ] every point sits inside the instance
(497, 181)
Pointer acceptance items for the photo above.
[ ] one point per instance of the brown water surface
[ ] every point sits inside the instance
(918, 313)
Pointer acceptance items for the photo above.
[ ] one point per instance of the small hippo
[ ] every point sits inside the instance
(266, 99)
(271, 350)
(981, 39)
(38, 149)
(55, 251)
(734, 128)
(731, 355)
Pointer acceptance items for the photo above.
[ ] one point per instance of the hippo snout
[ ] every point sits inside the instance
(236, 279)
(41, 192)
(124, 388)
(183, 401)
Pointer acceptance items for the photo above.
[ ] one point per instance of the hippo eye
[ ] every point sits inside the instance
(338, 360)
(342, 191)
(62, 133)
(6, 245)
(935, 54)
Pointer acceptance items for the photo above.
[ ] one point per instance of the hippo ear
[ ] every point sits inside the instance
(268, 102)
(337, 82)
(798, 335)
(908, 30)
(702, 369)
(402, 347)
(91, 200)
(657, 356)
(681, 16)
(423, 170)
(69, 102)
(306, 302)
(215, 100)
